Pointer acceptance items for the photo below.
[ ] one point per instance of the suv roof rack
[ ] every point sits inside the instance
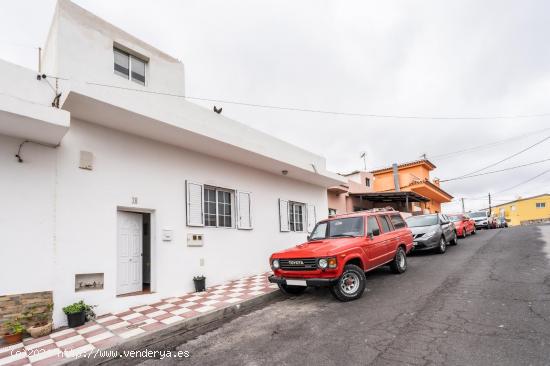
(384, 209)
(379, 209)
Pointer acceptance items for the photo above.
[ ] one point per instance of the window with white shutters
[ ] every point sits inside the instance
(283, 215)
(218, 207)
(297, 216)
(244, 215)
(210, 209)
(195, 206)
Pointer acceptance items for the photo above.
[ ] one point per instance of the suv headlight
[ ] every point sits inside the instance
(324, 263)
(275, 264)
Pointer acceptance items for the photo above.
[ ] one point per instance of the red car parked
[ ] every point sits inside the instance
(464, 225)
(340, 250)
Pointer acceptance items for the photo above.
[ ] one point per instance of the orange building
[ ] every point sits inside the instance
(405, 187)
(412, 177)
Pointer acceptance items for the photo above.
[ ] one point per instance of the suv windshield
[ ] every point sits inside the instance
(426, 220)
(478, 214)
(338, 228)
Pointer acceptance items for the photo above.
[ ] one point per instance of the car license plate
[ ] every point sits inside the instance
(296, 283)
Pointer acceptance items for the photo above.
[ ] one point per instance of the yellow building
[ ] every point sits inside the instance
(524, 210)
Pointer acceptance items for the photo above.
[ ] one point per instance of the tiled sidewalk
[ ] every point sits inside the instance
(111, 329)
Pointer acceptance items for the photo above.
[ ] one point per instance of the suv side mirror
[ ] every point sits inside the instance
(373, 233)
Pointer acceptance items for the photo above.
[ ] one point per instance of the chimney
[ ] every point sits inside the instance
(395, 177)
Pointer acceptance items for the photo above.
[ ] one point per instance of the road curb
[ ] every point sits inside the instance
(160, 339)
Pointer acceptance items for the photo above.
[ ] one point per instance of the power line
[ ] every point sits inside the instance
(482, 146)
(526, 181)
(503, 160)
(320, 111)
(18, 44)
(495, 171)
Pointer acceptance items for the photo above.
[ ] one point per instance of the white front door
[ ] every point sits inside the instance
(130, 249)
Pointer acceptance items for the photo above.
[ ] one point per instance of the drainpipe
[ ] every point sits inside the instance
(395, 177)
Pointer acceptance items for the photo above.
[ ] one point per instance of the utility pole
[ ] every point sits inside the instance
(489, 203)
(364, 156)
(462, 200)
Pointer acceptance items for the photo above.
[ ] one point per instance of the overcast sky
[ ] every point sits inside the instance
(428, 58)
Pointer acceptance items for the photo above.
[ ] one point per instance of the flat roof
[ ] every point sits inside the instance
(522, 199)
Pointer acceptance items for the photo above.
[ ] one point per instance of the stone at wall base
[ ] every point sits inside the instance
(41, 331)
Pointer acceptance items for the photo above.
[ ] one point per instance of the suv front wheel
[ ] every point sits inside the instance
(350, 285)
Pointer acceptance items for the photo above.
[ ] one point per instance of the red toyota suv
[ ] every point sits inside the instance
(340, 250)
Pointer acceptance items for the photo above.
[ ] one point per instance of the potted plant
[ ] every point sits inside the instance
(200, 283)
(40, 319)
(78, 313)
(14, 330)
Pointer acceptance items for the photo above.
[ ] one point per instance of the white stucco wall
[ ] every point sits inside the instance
(27, 217)
(127, 166)
(79, 47)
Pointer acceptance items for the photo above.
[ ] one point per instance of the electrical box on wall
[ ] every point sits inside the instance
(167, 234)
(86, 160)
(195, 240)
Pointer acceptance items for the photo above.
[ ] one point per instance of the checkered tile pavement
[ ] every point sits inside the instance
(110, 329)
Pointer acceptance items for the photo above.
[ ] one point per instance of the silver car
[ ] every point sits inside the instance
(481, 219)
(433, 231)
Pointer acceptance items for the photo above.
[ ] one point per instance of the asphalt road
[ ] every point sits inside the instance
(484, 302)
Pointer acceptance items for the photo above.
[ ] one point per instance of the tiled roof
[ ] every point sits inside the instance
(404, 165)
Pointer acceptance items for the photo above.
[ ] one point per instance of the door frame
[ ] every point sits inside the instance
(152, 244)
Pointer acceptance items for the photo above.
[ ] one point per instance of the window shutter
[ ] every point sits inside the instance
(244, 214)
(283, 215)
(311, 218)
(195, 208)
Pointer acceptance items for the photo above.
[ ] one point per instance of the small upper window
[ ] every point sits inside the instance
(540, 204)
(138, 70)
(129, 66)
(367, 182)
(122, 63)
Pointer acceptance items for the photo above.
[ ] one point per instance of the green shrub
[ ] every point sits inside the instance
(14, 326)
(79, 307)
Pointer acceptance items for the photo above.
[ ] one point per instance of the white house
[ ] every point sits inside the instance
(127, 190)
